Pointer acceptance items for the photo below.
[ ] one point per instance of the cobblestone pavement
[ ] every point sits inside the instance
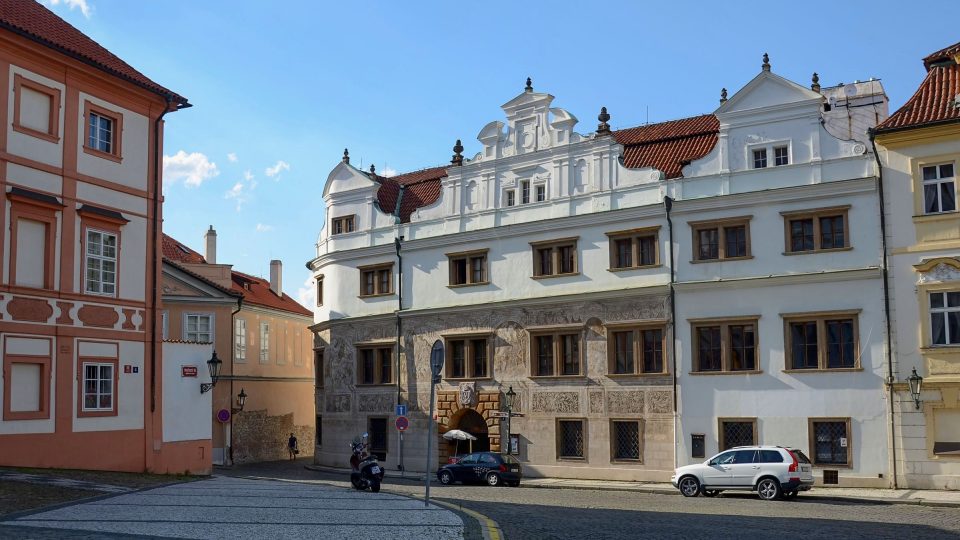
(525, 513)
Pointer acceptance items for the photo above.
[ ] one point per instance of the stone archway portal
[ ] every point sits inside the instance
(473, 423)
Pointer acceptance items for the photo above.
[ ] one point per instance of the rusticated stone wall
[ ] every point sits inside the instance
(259, 437)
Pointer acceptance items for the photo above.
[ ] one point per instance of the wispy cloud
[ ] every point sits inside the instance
(273, 172)
(307, 294)
(388, 171)
(82, 5)
(231, 157)
(193, 168)
(264, 228)
(241, 192)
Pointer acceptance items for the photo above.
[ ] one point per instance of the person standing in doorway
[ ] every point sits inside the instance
(292, 446)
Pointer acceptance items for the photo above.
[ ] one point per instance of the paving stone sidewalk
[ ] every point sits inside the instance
(62, 482)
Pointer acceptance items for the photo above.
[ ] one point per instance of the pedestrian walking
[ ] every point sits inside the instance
(292, 446)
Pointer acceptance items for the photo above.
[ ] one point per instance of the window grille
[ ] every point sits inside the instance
(626, 440)
(830, 439)
(571, 439)
(737, 434)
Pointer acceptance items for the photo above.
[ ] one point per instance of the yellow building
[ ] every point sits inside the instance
(919, 150)
(260, 334)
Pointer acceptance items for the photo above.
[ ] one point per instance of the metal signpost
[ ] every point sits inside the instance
(436, 366)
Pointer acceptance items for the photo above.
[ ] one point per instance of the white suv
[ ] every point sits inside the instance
(771, 471)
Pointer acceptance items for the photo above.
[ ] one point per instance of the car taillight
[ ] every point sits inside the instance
(503, 468)
(795, 464)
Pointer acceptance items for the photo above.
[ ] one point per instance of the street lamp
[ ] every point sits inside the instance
(511, 398)
(915, 382)
(241, 400)
(213, 365)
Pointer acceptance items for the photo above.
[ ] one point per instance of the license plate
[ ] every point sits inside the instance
(375, 469)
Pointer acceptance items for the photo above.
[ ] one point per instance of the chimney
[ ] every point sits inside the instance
(210, 240)
(276, 277)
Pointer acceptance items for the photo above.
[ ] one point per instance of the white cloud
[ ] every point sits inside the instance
(241, 191)
(307, 294)
(82, 5)
(264, 228)
(231, 157)
(388, 171)
(272, 172)
(193, 168)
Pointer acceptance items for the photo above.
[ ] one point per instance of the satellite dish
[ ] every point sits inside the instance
(850, 90)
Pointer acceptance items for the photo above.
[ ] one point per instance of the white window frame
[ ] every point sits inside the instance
(94, 140)
(240, 340)
(264, 343)
(770, 148)
(510, 197)
(98, 393)
(951, 341)
(186, 326)
(538, 190)
(97, 286)
(938, 181)
(525, 192)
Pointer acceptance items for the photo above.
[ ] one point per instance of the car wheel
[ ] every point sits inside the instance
(493, 479)
(711, 492)
(689, 486)
(769, 489)
(446, 478)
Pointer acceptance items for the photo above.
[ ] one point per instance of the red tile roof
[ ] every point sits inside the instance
(935, 102)
(668, 146)
(175, 251)
(30, 19)
(199, 277)
(257, 291)
(421, 188)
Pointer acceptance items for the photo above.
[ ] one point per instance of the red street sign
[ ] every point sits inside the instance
(402, 423)
(188, 371)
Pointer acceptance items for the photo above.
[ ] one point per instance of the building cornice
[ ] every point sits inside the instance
(826, 276)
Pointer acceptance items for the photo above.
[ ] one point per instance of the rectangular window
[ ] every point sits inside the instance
(525, 192)
(571, 439)
(264, 343)
(318, 369)
(511, 197)
(817, 230)
(945, 317)
(343, 225)
(376, 280)
(32, 251)
(633, 249)
(468, 357)
(626, 437)
(737, 432)
(822, 341)
(720, 240)
(104, 132)
(468, 268)
(760, 158)
(781, 155)
(240, 340)
(198, 327)
(319, 291)
(726, 345)
(939, 188)
(101, 262)
(101, 133)
(556, 353)
(555, 258)
(98, 386)
(830, 441)
(541, 193)
(375, 365)
(377, 429)
(643, 343)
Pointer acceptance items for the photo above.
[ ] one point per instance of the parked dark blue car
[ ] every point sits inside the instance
(489, 467)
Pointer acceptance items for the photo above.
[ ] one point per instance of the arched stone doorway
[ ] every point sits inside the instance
(470, 421)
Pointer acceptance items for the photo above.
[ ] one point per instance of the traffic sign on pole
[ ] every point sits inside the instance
(402, 423)
(401, 410)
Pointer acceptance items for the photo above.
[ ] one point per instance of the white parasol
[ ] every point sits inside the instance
(459, 435)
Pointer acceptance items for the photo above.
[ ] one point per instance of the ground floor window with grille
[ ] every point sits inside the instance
(830, 441)
(377, 430)
(571, 439)
(737, 432)
(626, 440)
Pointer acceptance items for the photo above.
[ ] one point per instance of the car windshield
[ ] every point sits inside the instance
(726, 457)
(801, 457)
(509, 459)
(472, 458)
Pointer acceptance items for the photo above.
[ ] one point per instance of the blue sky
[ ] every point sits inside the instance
(282, 87)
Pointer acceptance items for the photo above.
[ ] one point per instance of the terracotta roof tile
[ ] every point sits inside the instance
(668, 146)
(175, 251)
(34, 21)
(943, 54)
(257, 291)
(421, 188)
(935, 102)
(197, 276)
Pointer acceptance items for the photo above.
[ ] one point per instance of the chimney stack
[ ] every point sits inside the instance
(276, 277)
(210, 240)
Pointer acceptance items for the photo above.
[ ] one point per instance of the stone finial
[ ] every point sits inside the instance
(373, 171)
(603, 128)
(723, 95)
(346, 156)
(457, 153)
(766, 62)
(816, 82)
(529, 87)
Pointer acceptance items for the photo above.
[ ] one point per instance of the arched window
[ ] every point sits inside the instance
(470, 195)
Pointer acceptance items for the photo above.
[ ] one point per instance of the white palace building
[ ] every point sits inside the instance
(652, 295)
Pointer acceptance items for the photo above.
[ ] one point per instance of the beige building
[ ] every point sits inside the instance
(260, 334)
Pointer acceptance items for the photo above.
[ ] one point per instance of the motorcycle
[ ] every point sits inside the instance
(366, 471)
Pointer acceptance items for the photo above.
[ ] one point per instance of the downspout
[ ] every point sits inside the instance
(156, 248)
(886, 307)
(668, 205)
(233, 332)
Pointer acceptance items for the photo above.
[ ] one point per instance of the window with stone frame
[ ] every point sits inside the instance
(571, 439)
(541, 193)
(374, 365)
(637, 248)
(830, 442)
(376, 280)
(556, 353)
(239, 340)
(944, 318)
(719, 240)
(468, 357)
(511, 197)
(343, 225)
(198, 327)
(636, 350)
(554, 258)
(737, 432)
(823, 229)
(822, 341)
(781, 155)
(626, 440)
(524, 191)
(939, 188)
(319, 290)
(468, 268)
(760, 158)
(726, 345)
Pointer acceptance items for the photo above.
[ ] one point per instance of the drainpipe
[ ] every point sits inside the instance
(157, 164)
(233, 333)
(668, 206)
(886, 307)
